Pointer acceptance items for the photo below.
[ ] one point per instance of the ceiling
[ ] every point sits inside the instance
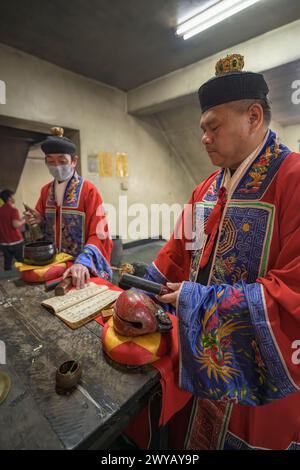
(127, 43)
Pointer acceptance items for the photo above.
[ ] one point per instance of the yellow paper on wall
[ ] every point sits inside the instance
(122, 165)
(105, 164)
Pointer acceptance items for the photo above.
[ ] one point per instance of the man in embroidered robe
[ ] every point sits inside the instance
(236, 292)
(71, 212)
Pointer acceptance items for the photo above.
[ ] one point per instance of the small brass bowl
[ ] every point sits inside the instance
(67, 376)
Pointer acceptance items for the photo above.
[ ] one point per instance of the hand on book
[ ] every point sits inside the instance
(80, 275)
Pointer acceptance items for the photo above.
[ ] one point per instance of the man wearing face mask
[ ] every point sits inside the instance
(71, 214)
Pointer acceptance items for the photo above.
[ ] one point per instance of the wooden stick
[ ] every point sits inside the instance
(49, 285)
(64, 286)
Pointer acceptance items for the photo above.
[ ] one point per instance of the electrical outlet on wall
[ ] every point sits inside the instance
(124, 185)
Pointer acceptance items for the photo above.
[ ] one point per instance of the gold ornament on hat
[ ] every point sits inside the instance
(231, 63)
(58, 131)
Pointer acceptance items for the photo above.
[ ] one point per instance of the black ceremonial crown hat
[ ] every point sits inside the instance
(57, 143)
(231, 83)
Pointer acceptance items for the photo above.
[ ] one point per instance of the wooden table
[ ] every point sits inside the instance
(34, 416)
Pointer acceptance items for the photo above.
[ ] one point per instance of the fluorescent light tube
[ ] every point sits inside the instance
(213, 15)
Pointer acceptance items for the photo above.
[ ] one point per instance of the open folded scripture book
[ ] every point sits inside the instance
(78, 307)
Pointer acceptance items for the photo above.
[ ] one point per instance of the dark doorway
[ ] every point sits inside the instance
(16, 138)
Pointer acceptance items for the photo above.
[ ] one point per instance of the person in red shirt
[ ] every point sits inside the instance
(11, 239)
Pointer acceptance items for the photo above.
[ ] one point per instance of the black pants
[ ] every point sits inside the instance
(10, 252)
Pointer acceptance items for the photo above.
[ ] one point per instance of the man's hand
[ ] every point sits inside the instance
(32, 216)
(80, 275)
(172, 297)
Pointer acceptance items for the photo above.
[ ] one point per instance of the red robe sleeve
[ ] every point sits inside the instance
(41, 204)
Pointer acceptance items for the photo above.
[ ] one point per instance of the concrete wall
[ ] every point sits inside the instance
(181, 126)
(291, 137)
(35, 175)
(39, 91)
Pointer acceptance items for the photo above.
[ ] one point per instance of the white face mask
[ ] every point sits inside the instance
(61, 172)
